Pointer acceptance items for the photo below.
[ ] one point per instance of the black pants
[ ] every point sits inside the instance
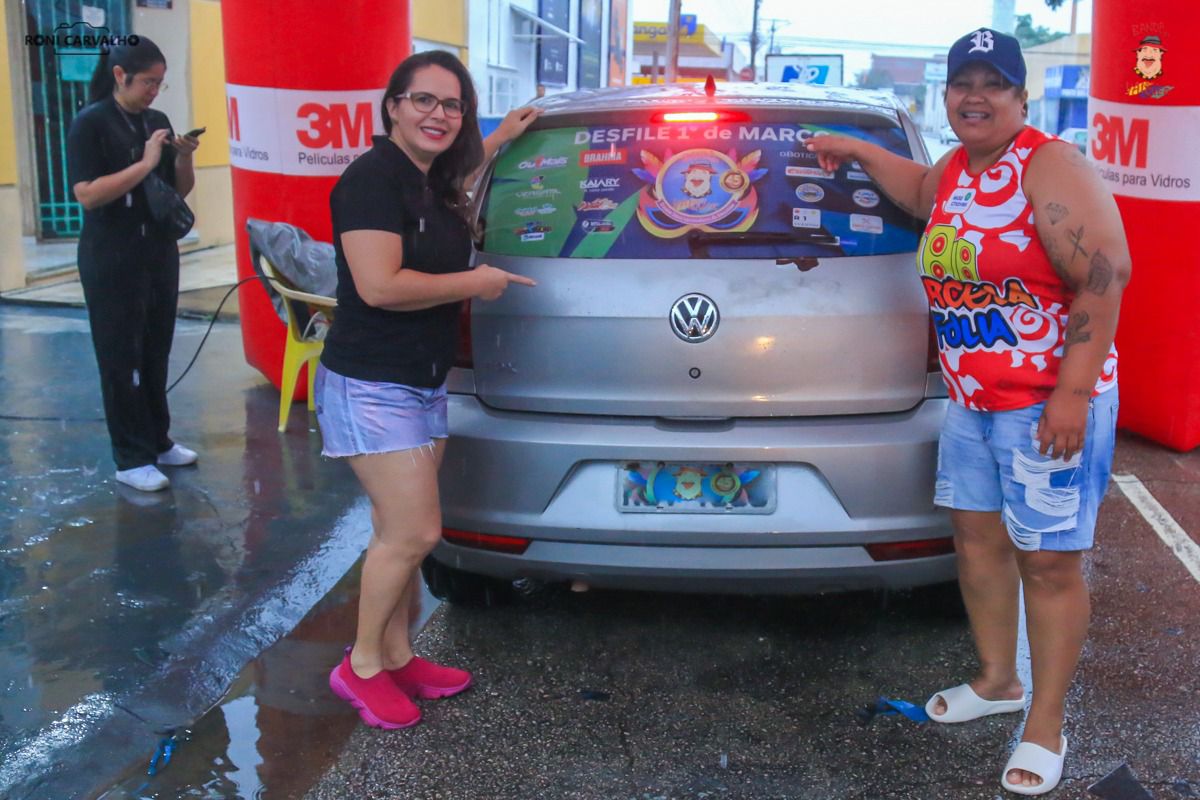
(131, 285)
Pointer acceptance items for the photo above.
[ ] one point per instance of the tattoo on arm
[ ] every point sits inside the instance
(1075, 237)
(1054, 253)
(1082, 392)
(1100, 274)
(1056, 212)
(1075, 330)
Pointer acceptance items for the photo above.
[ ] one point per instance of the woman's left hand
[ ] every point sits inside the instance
(516, 121)
(185, 145)
(1063, 425)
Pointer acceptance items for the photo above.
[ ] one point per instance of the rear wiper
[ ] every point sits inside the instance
(700, 241)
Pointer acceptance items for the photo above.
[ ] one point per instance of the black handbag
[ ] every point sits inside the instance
(167, 208)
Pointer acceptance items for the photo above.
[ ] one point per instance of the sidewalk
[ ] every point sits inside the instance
(204, 277)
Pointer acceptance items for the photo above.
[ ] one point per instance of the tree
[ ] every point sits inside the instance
(876, 78)
(1054, 4)
(1029, 36)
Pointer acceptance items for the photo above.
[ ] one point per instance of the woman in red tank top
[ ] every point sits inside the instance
(1024, 261)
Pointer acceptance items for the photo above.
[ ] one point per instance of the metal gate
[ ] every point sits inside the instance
(58, 88)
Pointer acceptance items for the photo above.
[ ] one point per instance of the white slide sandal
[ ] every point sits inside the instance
(963, 705)
(1034, 758)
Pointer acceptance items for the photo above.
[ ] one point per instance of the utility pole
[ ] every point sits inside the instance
(775, 24)
(673, 41)
(1074, 14)
(754, 39)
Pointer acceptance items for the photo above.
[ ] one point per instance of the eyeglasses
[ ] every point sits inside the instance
(153, 83)
(426, 103)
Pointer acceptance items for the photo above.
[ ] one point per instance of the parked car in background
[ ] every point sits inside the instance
(725, 380)
(1077, 137)
(947, 135)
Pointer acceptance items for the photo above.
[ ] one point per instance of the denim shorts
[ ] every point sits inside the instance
(988, 461)
(363, 417)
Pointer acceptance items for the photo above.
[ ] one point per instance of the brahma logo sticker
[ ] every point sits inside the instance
(595, 158)
(698, 189)
(542, 162)
(1149, 69)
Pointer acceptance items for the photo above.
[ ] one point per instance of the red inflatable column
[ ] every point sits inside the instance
(303, 92)
(1144, 125)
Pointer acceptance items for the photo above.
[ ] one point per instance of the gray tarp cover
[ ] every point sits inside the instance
(308, 264)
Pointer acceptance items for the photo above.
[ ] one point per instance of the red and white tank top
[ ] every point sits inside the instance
(999, 309)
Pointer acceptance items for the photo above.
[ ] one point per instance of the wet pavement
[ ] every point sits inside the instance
(122, 614)
(618, 695)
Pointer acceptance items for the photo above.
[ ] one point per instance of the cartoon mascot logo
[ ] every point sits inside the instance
(698, 189)
(1149, 68)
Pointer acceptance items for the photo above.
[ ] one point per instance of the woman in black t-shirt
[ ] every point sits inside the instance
(128, 265)
(403, 250)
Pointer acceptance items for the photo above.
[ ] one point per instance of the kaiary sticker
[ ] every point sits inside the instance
(1149, 70)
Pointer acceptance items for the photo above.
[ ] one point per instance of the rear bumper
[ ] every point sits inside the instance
(842, 483)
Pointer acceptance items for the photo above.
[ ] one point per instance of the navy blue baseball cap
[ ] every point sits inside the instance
(986, 46)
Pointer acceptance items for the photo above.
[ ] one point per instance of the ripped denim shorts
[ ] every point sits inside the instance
(989, 461)
(365, 417)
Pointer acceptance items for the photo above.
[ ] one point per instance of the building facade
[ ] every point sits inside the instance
(510, 46)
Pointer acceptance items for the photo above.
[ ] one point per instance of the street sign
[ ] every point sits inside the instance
(820, 70)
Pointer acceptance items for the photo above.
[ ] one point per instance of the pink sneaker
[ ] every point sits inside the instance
(376, 698)
(421, 678)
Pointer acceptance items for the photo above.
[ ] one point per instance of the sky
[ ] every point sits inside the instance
(936, 23)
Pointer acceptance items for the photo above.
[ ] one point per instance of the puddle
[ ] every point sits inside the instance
(278, 730)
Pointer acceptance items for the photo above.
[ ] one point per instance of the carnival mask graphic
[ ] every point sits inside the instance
(698, 189)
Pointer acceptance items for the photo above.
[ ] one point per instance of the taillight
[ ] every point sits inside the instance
(463, 357)
(515, 545)
(920, 548)
(933, 362)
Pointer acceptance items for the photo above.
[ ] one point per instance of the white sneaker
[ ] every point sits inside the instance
(145, 479)
(178, 456)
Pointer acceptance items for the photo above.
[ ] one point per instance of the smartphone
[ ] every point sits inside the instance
(196, 131)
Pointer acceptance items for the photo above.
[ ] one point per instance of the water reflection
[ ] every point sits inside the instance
(279, 729)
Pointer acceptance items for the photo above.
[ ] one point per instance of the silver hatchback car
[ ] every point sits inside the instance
(725, 379)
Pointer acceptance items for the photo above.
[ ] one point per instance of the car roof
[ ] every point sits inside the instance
(762, 95)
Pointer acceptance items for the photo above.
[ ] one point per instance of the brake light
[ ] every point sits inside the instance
(515, 545)
(900, 551)
(700, 116)
(463, 356)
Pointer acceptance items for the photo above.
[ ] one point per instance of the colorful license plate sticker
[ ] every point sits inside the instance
(696, 488)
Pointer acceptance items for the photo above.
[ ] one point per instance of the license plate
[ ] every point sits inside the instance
(699, 488)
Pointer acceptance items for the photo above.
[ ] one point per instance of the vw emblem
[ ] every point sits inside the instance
(695, 318)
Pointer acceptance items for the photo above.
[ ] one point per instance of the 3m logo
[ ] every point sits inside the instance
(333, 125)
(1116, 142)
(235, 124)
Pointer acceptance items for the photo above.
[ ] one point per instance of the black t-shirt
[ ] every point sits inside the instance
(382, 190)
(105, 139)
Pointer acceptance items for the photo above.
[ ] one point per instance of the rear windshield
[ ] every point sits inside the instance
(749, 189)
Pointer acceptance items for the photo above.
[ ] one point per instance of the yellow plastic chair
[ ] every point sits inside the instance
(302, 348)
